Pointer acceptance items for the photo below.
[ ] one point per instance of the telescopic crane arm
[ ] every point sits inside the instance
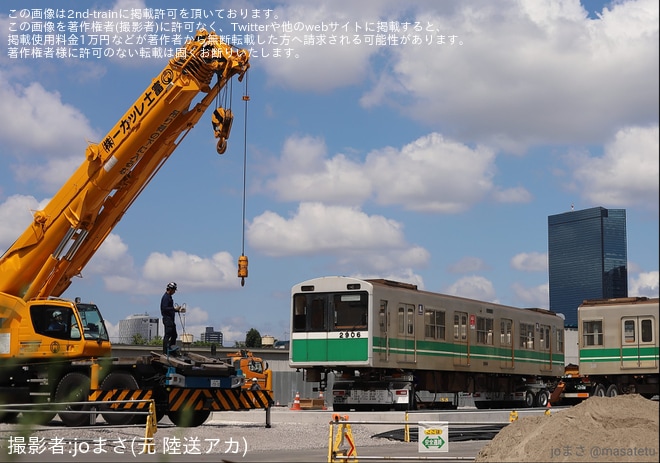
(64, 236)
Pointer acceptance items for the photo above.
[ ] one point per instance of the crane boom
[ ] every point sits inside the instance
(64, 236)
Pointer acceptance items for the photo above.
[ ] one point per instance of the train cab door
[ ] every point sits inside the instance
(461, 339)
(638, 342)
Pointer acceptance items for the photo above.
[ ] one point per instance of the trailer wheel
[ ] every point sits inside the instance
(189, 418)
(529, 399)
(599, 391)
(542, 398)
(612, 391)
(120, 380)
(74, 387)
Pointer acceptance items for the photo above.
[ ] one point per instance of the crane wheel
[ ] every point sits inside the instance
(189, 418)
(120, 380)
(74, 387)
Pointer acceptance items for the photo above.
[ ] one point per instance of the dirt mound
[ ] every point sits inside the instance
(611, 429)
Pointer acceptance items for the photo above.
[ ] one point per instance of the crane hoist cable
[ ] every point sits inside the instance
(243, 260)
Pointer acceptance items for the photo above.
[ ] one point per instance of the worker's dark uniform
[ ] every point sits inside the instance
(167, 311)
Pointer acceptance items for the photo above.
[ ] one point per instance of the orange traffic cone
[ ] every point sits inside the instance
(296, 402)
(547, 408)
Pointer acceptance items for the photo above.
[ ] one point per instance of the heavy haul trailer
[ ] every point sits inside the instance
(187, 389)
(41, 364)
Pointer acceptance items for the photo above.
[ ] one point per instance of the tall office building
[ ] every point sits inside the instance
(143, 326)
(210, 335)
(587, 258)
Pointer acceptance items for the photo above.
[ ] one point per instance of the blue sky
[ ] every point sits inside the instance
(435, 164)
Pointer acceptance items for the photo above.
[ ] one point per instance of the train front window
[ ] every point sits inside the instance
(319, 312)
(350, 311)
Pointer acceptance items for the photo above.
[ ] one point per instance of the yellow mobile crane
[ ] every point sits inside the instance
(43, 363)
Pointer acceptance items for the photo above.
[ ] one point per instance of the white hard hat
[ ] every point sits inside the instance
(254, 379)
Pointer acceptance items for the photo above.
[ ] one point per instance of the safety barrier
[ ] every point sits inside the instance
(342, 446)
(64, 408)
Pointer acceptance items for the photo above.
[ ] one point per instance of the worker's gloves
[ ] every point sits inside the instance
(180, 309)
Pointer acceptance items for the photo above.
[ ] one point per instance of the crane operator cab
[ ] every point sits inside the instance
(63, 322)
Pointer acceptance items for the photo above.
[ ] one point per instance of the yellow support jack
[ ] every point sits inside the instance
(150, 429)
(342, 444)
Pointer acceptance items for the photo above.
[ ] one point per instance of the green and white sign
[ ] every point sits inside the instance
(433, 436)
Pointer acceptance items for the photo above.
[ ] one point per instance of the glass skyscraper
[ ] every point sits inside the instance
(587, 258)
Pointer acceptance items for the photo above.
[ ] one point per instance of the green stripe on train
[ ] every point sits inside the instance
(482, 352)
(330, 350)
(356, 350)
(610, 355)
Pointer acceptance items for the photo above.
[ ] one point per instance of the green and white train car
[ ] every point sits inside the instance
(618, 346)
(393, 346)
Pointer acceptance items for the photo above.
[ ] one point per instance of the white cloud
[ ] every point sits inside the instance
(191, 271)
(543, 73)
(535, 297)
(304, 172)
(430, 174)
(15, 216)
(473, 287)
(317, 65)
(32, 106)
(355, 239)
(530, 262)
(645, 284)
(626, 174)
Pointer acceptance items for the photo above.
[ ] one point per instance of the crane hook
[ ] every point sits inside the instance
(243, 268)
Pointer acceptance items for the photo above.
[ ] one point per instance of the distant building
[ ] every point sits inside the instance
(210, 335)
(144, 325)
(587, 258)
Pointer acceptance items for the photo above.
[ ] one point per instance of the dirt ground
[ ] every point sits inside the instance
(600, 429)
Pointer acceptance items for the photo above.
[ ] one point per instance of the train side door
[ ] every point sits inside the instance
(406, 338)
(506, 343)
(383, 343)
(638, 342)
(461, 339)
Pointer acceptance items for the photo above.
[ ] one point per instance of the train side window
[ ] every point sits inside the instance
(382, 315)
(411, 320)
(505, 331)
(526, 336)
(629, 331)
(434, 324)
(560, 340)
(484, 330)
(402, 320)
(544, 337)
(647, 330)
(460, 326)
(592, 333)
